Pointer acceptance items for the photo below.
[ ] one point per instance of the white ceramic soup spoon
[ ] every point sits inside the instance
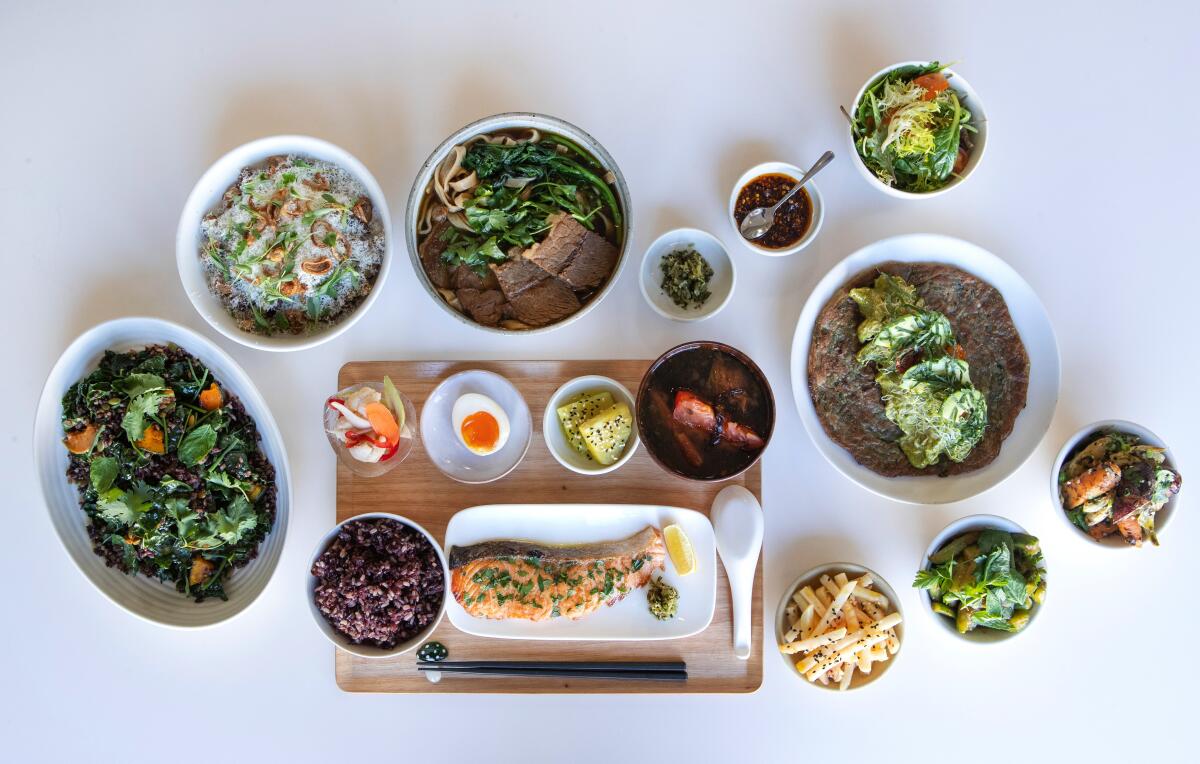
(737, 520)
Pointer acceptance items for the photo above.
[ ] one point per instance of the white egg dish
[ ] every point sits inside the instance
(476, 395)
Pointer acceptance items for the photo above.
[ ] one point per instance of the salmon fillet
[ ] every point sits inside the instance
(528, 580)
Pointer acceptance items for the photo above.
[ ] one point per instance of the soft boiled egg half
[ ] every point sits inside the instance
(480, 423)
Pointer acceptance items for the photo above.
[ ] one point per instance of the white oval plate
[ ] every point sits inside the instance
(151, 600)
(448, 453)
(628, 619)
(1031, 321)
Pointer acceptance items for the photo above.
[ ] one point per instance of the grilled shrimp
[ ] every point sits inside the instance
(1090, 484)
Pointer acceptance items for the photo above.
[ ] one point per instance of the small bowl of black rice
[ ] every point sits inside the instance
(377, 585)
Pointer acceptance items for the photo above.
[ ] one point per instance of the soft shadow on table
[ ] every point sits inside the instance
(128, 292)
(808, 551)
(484, 89)
(665, 219)
(738, 157)
(370, 123)
(863, 40)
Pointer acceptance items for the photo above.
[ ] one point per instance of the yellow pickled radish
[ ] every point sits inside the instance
(680, 549)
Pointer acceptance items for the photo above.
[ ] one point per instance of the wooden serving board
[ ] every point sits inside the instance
(418, 490)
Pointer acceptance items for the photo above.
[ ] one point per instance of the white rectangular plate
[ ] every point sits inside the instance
(628, 619)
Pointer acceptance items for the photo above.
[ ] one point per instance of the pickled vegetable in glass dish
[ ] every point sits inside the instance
(371, 426)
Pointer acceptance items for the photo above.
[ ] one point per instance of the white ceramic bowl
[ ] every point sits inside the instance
(442, 443)
(1031, 321)
(853, 571)
(1115, 541)
(712, 250)
(340, 640)
(206, 196)
(508, 121)
(814, 194)
(949, 533)
(153, 601)
(966, 96)
(557, 442)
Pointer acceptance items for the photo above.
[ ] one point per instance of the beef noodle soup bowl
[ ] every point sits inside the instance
(518, 223)
(705, 411)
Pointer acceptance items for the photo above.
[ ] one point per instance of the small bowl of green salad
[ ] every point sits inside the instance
(687, 275)
(918, 129)
(983, 579)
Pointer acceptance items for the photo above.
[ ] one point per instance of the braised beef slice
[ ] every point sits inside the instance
(484, 306)
(546, 302)
(517, 275)
(465, 278)
(582, 258)
(430, 251)
(593, 263)
(555, 252)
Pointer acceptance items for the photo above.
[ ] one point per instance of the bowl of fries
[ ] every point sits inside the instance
(839, 626)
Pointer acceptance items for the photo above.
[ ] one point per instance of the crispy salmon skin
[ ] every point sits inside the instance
(534, 581)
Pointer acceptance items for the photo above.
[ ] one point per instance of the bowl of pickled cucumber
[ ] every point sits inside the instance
(589, 425)
(983, 579)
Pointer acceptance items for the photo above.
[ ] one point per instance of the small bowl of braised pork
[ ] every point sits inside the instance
(1117, 483)
(705, 411)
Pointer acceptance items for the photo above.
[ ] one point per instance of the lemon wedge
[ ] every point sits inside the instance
(680, 549)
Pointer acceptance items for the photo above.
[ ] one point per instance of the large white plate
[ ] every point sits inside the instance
(1031, 321)
(627, 620)
(139, 595)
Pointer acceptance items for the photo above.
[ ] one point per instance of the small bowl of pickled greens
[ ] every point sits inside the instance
(687, 275)
(983, 578)
(589, 425)
(918, 129)
(1116, 483)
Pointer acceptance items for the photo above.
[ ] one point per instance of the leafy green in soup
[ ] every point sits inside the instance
(921, 372)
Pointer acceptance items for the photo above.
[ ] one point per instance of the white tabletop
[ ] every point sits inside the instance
(111, 113)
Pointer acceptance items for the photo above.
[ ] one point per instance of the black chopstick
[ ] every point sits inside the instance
(641, 676)
(569, 665)
(653, 672)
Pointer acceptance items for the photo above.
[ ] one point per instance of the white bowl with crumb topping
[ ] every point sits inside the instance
(206, 197)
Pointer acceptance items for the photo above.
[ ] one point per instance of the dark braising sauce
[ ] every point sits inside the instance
(791, 220)
(720, 383)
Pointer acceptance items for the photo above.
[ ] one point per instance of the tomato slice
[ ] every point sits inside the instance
(934, 83)
(960, 161)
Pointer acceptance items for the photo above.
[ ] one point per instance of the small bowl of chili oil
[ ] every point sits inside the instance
(797, 223)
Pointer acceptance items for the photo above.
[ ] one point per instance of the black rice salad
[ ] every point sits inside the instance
(379, 582)
(169, 469)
